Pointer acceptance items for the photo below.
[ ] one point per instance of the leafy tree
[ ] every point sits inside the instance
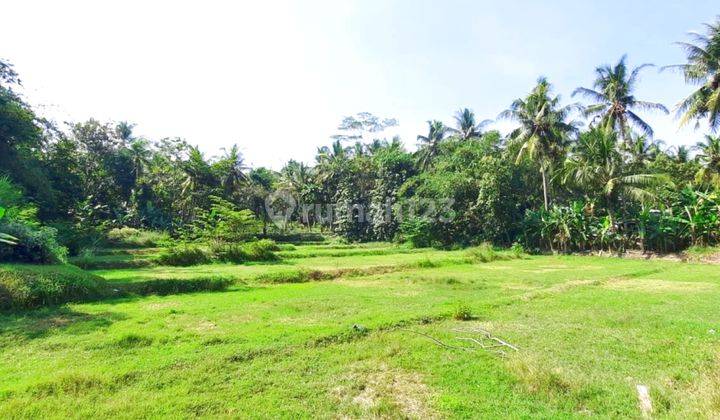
(262, 184)
(354, 127)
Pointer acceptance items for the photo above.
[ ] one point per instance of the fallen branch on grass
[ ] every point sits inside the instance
(436, 341)
(488, 336)
(493, 348)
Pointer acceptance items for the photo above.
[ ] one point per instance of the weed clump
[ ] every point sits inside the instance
(133, 340)
(184, 255)
(136, 238)
(485, 253)
(462, 312)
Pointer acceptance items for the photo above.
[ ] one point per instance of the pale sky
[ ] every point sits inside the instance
(276, 77)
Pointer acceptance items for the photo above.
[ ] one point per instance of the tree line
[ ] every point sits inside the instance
(569, 177)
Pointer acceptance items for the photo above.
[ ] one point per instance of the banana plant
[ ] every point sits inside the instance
(4, 237)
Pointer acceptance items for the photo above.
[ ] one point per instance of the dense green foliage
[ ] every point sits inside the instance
(568, 177)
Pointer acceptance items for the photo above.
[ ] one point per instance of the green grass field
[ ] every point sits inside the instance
(377, 338)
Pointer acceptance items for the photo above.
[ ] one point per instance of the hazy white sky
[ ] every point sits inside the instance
(276, 77)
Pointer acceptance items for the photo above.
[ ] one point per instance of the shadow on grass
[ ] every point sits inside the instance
(39, 323)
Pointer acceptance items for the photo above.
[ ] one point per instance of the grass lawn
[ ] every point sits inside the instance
(365, 344)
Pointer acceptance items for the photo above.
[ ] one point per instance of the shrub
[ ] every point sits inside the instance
(234, 253)
(30, 286)
(131, 237)
(482, 253)
(417, 232)
(31, 245)
(184, 255)
(76, 238)
(262, 250)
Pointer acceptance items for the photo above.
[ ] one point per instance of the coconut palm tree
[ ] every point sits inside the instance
(596, 164)
(232, 170)
(327, 154)
(197, 171)
(681, 154)
(544, 129)
(139, 155)
(429, 146)
(295, 175)
(703, 70)
(709, 157)
(466, 125)
(615, 103)
(642, 149)
(124, 131)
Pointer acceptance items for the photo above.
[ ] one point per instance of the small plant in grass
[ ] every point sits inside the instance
(518, 250)
(462, 312)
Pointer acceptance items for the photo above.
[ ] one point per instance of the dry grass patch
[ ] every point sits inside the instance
(385, 392)
(658, 286)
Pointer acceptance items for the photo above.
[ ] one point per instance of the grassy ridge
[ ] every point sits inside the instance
(31, 286)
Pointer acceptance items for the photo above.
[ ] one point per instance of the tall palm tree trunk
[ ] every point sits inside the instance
(545, 187)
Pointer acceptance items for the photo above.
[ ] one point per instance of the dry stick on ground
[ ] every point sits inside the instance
(491, 348)
(489, 337)
(438, 342)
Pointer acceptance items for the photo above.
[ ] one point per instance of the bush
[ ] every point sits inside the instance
(76, 238)
(131, 237)
(31, 286)
(482, 253)
(234, 253)
(262, 250)
(183, 256)
(417, 232)
(38, 246)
